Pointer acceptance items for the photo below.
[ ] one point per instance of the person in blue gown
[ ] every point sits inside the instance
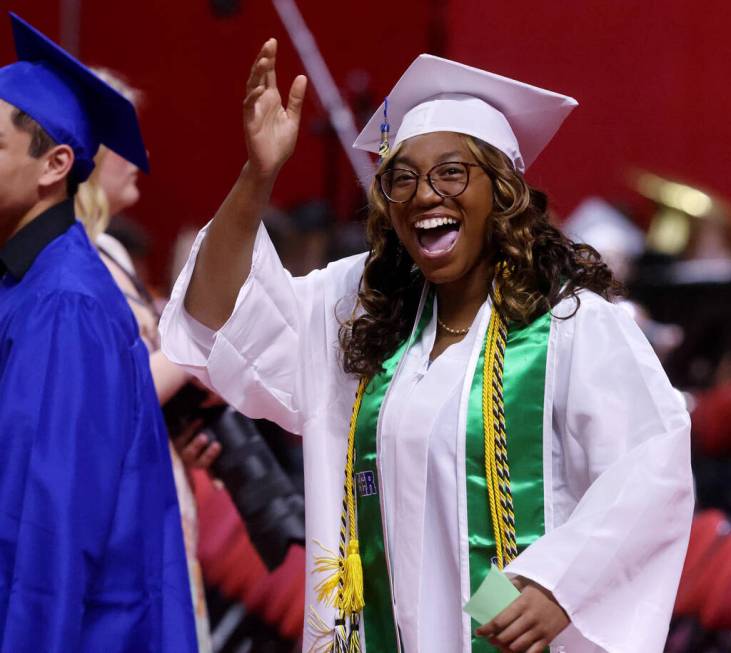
(91, 547)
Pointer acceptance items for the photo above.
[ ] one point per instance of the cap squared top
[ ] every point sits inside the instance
(436, 94)
(69, 101)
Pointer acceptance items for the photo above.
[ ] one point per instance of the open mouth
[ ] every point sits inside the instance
(437, 235)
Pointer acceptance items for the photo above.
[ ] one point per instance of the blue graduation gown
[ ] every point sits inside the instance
(91, 549)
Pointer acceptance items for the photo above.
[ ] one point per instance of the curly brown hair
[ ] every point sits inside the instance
(542, 266)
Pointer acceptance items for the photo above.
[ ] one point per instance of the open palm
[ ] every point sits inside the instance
(270, 128)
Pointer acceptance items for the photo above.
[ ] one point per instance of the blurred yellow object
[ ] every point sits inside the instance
(679, 206)
(669, 231)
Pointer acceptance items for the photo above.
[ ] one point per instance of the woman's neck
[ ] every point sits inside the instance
(460, 300)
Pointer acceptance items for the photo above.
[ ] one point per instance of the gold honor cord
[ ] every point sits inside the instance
(497, 471)
(343, 588)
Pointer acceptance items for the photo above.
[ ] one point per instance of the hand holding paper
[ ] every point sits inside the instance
(495, 594)
(526, 621)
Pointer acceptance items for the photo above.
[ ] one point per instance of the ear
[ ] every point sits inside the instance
(57, 165)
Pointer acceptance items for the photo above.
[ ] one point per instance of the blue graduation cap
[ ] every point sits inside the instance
(69, 101)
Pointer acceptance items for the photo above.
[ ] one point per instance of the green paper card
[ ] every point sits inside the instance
(494, 595)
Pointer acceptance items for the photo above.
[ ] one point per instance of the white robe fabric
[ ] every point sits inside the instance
(617, 480)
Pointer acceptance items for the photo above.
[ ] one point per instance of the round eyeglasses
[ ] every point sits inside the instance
(447, 179)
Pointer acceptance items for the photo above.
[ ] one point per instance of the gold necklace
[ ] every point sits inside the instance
(454, 332)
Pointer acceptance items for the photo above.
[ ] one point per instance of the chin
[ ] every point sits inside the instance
(129, 199)
(441, 275)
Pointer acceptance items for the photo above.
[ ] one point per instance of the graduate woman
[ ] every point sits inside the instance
(467, 393)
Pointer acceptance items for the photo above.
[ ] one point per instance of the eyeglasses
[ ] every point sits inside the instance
(447, 179)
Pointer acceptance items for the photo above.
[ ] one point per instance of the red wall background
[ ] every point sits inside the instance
(652, 79)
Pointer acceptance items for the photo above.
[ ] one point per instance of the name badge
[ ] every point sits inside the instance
(366, 482)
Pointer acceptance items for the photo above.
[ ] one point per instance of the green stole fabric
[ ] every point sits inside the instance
(524, 390)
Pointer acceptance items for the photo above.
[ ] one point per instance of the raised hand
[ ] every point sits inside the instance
(224, 260)
(270, 128)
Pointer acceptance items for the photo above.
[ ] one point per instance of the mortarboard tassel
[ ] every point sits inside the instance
(385, 147)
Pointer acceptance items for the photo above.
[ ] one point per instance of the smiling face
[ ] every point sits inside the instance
(445, 236)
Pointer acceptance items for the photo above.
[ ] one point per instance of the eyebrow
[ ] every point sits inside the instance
(447, 156)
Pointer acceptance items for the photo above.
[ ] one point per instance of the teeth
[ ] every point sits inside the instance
(432, 223)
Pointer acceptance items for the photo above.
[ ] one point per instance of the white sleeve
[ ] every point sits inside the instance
(276, 351)
(622, 487)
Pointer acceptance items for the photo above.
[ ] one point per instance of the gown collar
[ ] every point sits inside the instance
(18, 254)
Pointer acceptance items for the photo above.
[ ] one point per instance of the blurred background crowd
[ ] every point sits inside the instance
(640, 172)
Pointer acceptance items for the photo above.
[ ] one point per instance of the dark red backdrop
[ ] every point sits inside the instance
(651, 78)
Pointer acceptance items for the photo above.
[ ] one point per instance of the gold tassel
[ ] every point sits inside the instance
(384, 149)
(334, 566)
(352, 594)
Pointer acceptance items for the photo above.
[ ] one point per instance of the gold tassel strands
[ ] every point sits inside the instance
(352, 596)
(354, 636)
(322, 633)
(340, 641)
(333, 565)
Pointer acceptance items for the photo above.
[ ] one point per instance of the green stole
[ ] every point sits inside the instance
(523, 391)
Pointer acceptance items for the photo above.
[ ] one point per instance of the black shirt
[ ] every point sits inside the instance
(17, 255)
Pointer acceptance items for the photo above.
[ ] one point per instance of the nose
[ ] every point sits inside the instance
(425, 194)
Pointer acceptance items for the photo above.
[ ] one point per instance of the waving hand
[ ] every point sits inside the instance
(270, 128)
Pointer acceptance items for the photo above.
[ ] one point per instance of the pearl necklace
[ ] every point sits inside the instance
(454, 332)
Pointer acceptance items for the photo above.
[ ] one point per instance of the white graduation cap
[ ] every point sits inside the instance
(436, 94)
(597, 223)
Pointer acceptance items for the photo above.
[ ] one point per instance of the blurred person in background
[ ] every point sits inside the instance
(621, 243)
(461, 254)
(110, 190)
(685, 277)
(91, 549)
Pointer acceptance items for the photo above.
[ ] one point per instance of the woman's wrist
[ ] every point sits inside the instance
(263, 178)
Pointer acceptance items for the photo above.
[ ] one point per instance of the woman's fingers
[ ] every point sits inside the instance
(258, 74)
(296, 97)
(260, 66)
(527, 623)
(270, 75)
(518, 632)
(538, 647)
(501, 621)
(254, 76)
(253, 96)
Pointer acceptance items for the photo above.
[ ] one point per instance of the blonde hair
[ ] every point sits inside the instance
(91, 202)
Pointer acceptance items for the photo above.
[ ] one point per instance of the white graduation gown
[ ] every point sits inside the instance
(617, 480)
